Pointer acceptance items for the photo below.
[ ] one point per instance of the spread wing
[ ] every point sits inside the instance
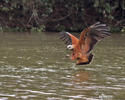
(91, 35)
(68, 38)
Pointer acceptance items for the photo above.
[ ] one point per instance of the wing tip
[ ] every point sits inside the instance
(100, 27)
(65, 37)
(63, 32)
(67, 33)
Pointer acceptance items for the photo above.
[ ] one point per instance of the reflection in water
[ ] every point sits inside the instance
(81, 76)
(35, 67)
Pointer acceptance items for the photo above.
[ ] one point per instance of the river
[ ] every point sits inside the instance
(36, 67)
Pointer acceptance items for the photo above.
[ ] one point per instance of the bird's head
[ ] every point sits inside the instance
(70, 47)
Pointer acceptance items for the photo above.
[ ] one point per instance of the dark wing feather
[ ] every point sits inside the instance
(97, 32)
(66, 38)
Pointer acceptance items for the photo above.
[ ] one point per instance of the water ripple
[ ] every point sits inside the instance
(7, 95)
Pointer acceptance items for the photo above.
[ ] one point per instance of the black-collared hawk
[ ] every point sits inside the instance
(81, 48)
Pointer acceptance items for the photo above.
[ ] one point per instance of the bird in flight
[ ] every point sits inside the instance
(82, 48)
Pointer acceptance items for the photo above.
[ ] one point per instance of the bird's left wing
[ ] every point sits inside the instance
(91, 35)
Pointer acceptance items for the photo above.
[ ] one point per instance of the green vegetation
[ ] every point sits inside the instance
(58, 15)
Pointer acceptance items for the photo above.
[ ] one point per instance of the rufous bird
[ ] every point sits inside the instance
(82, 48)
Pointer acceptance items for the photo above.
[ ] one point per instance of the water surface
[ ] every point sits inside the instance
(35, 67)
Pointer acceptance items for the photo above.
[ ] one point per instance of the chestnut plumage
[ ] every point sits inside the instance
(83, 46)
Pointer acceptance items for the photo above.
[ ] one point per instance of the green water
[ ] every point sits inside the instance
(35, 67)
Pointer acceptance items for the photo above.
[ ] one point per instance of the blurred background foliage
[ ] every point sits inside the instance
(58, 15)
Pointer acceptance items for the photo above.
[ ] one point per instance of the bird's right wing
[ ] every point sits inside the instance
(68, 38)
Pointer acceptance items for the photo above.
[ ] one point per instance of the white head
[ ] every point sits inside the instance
(70, 47)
